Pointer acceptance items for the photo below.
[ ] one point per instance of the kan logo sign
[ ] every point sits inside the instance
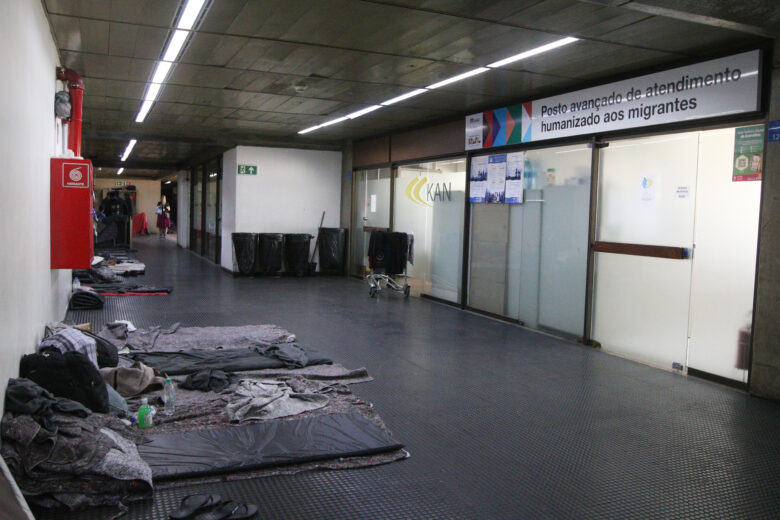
(75, 175)
(434, 191)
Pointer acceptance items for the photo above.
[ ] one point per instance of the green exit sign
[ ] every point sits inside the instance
(247, 169)
(121, 183)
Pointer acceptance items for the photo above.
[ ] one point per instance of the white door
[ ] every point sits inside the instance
(641, 303)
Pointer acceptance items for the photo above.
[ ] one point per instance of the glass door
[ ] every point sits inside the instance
(428, 204)
(196, 225)
(212, 211)
(645, 226)
(372, 210)
(724, 260)
(528, 260)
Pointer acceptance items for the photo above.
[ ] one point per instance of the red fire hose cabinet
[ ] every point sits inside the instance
(72, 238)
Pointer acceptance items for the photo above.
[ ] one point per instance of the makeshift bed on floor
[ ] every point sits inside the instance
(250, 399)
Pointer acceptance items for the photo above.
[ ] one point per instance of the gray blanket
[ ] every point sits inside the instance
(176, 338)
(270, 399)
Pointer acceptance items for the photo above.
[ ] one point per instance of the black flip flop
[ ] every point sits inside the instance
(235, 511)
(192, 504)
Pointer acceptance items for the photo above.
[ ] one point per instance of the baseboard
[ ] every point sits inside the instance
(717, 379)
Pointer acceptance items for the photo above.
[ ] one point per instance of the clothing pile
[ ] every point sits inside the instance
(61, 454)
(104, 278)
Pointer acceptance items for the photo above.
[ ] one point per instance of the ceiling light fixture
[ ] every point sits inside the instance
(534, 52)
(517, 57)
(334, 121)
(363, 112)
(160, 73)
(403, 97)
(459, 77)
(119, 171)
(128, 149)
(167, 182)
(189, 15)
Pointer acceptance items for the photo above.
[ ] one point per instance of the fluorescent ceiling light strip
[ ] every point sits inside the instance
(459, 77)
(129, 149)
(334, 121)
(190, 14)
(152, 91)
(517, 57)
(145, 108)
(175, 45)
(161, 71)
(534, 52)
(310, 129)
(363, 112)
(403, 96)
(119, 171)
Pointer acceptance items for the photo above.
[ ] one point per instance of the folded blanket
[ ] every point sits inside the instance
(85, 299)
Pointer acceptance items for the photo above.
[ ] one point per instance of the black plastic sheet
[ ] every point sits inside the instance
(296, 253)
(331, 247)
(233, 448)
(245, 251)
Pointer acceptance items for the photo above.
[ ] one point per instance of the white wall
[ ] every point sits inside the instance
(229, 177)
(32, 293)
(288, 195)
(183, 209)
(147, 196)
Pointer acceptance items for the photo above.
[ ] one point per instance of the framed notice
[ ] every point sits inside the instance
(515, 171)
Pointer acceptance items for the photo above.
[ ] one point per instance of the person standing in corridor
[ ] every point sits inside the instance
(163, 216)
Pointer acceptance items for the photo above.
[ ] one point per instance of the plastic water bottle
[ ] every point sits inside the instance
(76, 283)
(145, 414)
(169, 396)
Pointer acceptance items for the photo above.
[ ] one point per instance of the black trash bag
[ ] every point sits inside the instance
(244, 252)
(270, 252)
(296, 253)
(332, 243)
(70, 375)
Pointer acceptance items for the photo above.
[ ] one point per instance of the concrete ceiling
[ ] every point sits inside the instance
(257, 71)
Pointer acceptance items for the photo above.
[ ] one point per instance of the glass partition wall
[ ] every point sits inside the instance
(371, 210)
(429, 204)
(206, 210)
(528, 260)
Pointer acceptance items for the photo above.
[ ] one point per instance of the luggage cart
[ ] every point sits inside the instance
(375, 284)
(376, 280)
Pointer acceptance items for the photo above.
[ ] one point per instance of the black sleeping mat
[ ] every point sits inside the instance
(228, 360)
(252, 446)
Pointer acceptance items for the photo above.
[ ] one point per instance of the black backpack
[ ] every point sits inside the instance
(70, 375)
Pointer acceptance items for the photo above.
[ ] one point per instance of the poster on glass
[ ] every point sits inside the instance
(515, 167)
(478, 179)
(496, 179)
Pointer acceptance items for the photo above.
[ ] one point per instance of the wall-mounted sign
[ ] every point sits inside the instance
(774, 132)
(247, 169)
(748, 153)
(121, 183)
(719, 87)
